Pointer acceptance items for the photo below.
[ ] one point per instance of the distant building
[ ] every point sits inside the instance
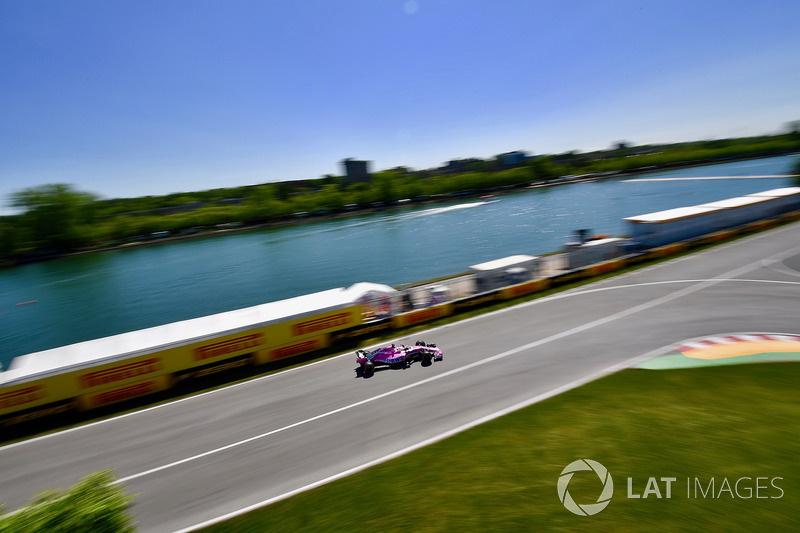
(356, 171)
(621, 145)
(513, 159)
(458, 165)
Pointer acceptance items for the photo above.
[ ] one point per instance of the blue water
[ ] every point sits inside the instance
(86, 297)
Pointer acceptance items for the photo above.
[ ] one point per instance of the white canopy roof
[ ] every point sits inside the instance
(602, 242)
(670, 214)
(504, 262)
(740, 201)
(777, 193)
(359, 290)
(126, 345)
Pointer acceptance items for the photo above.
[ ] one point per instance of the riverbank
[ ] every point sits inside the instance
(398, 205)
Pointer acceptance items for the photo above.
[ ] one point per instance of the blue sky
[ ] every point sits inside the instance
(130, 98)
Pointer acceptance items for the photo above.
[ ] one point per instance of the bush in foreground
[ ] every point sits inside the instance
(94, 504)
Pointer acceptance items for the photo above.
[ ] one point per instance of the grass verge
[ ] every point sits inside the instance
(695, 425)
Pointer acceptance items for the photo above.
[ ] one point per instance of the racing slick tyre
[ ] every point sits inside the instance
(368, 369)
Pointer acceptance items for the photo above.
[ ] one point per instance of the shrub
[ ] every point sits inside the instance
(95, 504)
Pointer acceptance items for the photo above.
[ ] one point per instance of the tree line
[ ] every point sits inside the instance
(58, 219)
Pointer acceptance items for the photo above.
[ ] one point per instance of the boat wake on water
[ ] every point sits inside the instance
(394, 218)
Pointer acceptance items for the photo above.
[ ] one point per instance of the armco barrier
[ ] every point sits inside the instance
(36, 413)
(471, 302)
(213, 368)
(363, 331)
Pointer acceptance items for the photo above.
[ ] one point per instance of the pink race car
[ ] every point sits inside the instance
(397, 356)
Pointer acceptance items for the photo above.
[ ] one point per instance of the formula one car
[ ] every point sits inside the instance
(397, 356)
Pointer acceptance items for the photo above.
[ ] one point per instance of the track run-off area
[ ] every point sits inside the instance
(199, 459)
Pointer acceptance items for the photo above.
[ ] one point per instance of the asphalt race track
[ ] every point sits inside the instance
(210, 455)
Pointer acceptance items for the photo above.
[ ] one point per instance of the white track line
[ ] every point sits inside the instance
(781, 267)
(469, 425)
(539, 301)
(558, 336)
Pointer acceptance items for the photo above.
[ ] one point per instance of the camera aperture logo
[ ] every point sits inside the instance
(586, 509)
(742, 488)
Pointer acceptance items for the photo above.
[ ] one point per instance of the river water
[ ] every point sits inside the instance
(85, 297)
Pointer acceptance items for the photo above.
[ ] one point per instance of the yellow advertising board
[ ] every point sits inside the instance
(124, 392)
(761, 224)
(224, 347)
(24, 396)
(521, 289)
(152, 372)
(669, 249)
(36, 393)
(292, 349)
(606, 266)
(315, 325)
(422, 315)
(221, 348)
(126, 371)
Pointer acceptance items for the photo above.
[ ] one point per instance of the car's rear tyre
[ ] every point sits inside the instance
(368, 369)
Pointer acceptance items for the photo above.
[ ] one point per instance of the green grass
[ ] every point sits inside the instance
(720, 422)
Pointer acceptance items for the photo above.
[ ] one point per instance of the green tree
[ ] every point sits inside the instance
(284, 190)
(330, 197)
(543, 168)
(13, 238)
(54, 214)
(385, 185)
(95, 504)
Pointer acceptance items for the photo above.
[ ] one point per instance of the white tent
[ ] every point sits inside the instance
(378, 300)
(370, 290)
